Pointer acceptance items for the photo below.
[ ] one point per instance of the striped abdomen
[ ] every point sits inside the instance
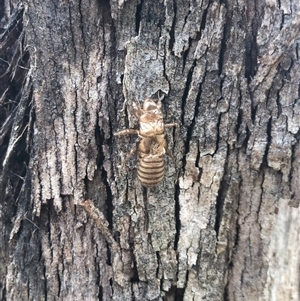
(151, 170)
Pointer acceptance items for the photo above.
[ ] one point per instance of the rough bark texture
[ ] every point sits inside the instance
(223, 224)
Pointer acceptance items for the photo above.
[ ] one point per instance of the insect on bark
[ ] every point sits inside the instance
(152, 145)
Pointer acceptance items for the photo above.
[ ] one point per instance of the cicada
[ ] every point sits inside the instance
(151, 146)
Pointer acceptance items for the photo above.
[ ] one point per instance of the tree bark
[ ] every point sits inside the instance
(223, 224)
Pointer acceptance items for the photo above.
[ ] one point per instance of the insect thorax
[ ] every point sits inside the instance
(151, 125)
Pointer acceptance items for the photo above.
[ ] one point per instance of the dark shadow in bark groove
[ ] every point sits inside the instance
(172, 31)
(177, 216)
(100, 160)
(174, 294)
(197, 105)
(251, 53)
(221, 198)
(135, 277)
(185, 55)
(269, 140)
(184, 97)
(203, 21)
(223, 49)
(138, 17)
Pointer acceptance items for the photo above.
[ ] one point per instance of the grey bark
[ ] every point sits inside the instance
(223, 224)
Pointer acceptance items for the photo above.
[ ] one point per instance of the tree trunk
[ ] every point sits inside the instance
(76, 223)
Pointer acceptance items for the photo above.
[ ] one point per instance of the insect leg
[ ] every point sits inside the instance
(171, 125)
(127, 132)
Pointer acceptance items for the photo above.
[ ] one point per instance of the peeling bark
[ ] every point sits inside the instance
(224, 222)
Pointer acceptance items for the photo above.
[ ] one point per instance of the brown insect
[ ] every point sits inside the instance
(152, 145)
